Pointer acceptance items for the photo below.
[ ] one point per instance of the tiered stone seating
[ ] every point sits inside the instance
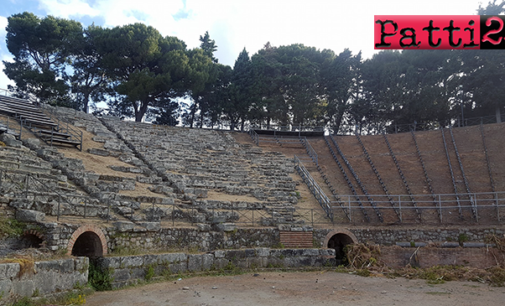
(31, 183)
(108, 188)
(196, 161)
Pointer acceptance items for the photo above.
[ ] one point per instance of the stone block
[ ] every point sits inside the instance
(29, 215)
(132, 261)
(109, 262)
(250, 253)
(123, 226)
(8, 271)
(10, 140)
(23, 288)
(207, 261)
(194, 262)
(224, 227)
(327, 252)
(172, 258)
(263, 252)
(150, 226)
(121, 275)
(310, 252)
(99, 152)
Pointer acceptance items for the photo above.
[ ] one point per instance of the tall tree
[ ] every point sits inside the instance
(269, 104)
(149, 70)
(240, 91)
(89, 79)
(340, 78)
(208, 46)
(202, 72)
(41, 47)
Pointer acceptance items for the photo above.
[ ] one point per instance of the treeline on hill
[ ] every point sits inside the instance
(140, 73)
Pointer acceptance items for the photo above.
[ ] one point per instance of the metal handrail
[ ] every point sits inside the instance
(25, 190)
(312, 153)
(318, 193)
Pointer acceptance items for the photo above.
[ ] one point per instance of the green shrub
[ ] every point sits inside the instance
(99, 279)
(149, 273)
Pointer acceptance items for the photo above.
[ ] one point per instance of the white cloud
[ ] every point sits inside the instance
(4, 80)
(68, 8)
(3, 25)
(235, 24)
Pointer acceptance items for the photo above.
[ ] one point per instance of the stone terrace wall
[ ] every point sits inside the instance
(46, 278)
(130, 269)
(397, 257)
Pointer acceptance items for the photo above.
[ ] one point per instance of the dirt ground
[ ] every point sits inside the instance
(302, 288)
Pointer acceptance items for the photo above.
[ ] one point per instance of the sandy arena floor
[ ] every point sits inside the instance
(302, 288)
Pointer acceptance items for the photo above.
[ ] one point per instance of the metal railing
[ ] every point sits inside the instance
(310, 151)
(25, 185)
(254, 136)
(488, 205)
(290, 128)
(318, 193)
(63, 127)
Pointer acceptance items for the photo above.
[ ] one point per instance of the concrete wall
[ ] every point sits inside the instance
(129, 269)
(44, 278)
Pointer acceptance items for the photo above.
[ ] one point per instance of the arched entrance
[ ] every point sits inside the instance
(32, 239)
(88, 244)
(89, 241)
(337, 240)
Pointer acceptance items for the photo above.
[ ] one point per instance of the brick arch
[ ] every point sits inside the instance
(87, 229)
(339, 231)
(35, 233)
(28, 234)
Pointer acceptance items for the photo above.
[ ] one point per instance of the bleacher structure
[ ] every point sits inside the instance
(409, 194)
(32, 117)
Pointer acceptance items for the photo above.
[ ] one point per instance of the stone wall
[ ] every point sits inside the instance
(130, 269)
(44, 278)
(202, 239)
(390, 236)
(59, 236)
(397, 257)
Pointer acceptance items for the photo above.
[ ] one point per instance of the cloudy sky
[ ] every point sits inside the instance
(235, 24)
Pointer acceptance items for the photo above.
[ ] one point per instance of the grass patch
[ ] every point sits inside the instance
(11, 227)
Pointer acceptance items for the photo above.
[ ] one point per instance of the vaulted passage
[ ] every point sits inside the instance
(338, 242)
(31, 241)
(88, 244)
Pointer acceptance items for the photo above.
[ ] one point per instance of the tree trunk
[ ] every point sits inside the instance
(192, 117)
(498, 114)
(86, 103)
(139, 115)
